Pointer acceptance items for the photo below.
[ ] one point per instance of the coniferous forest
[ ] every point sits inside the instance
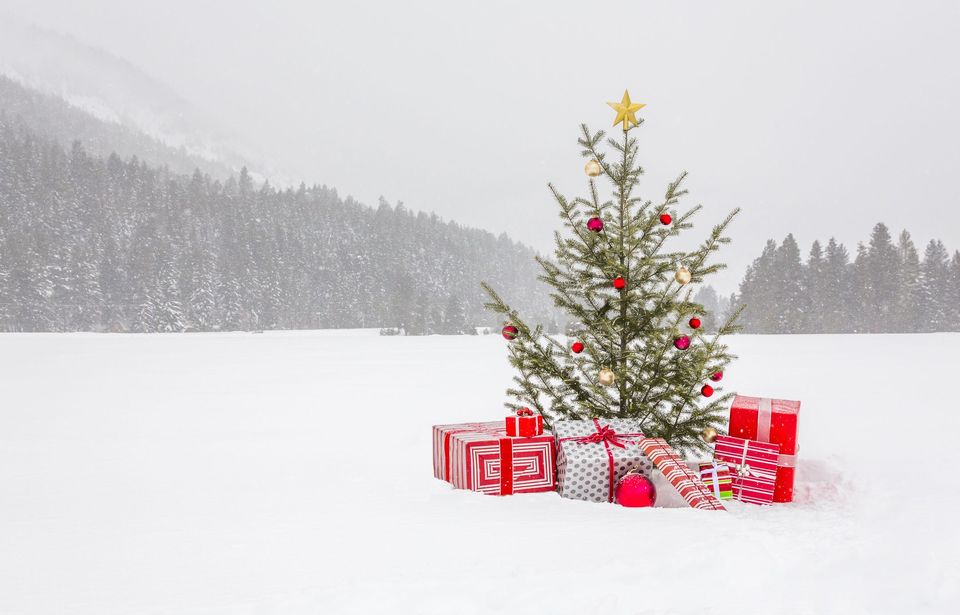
(888, 286)
(94, 243)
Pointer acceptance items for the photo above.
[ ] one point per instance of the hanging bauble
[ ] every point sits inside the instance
(694, 323)
(635, 490)
(682, 342)
(716, 376)
(619, 283)
(510, 332)
(706, 390)
(595, 224)
(592, 168)
(577, 347)
(606, 377)
(709, 434)
(665, 219)
(683, 276)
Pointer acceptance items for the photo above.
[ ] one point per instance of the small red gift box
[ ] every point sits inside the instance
(775, 421)
(482, 457)
(678, 473)
(524, 423)
(753, 467)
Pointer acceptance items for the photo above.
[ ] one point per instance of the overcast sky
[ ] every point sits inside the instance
(815, 118)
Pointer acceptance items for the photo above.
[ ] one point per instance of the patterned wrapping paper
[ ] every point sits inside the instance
(481, 457)
(770, 420)
(685, 480)
(592, 455)
(753, 467)
(523, 425)
(717, 477)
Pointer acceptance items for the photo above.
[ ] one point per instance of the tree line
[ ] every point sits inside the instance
(886, 288)
(94, 243)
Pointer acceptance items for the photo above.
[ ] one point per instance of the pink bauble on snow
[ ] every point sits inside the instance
(595, 224)
(636, 491)
(682, 342)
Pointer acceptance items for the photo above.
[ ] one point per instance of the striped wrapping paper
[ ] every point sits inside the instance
(717, 477)
(753, 467)
(481, 457)
(675, 470)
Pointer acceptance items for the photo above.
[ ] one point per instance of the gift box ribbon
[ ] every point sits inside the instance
(714, 475)
(764, 420)
(607, 436)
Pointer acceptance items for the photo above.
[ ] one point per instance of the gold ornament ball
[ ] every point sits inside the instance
(606, 377)
(592, 169)
(709, 434)
(683, 276)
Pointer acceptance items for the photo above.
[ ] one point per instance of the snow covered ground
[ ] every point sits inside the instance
(291, 473)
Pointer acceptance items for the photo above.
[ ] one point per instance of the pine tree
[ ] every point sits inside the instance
(934, 281)
(759, 291)
(907, 308)
(815, 288)
(953, 295)
(629, 331)
(791, 304)
(836, 289)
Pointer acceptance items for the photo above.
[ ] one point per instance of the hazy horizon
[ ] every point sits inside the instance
(816, 119)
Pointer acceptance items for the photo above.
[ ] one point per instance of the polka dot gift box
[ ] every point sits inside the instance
(593, 455)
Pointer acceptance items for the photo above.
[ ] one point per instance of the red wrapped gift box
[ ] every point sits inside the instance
(775, 421)
(524, 423)
(678, 473)
(753, 467)
(482, 457)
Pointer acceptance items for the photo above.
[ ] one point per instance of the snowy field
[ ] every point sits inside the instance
(291, 473)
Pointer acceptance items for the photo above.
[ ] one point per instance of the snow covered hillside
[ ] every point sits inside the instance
(291, 473)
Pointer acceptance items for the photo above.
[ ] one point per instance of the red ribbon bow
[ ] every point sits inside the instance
(524, 412)
(606, 434)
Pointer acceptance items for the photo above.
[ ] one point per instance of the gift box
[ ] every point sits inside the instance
(685, 480)
(592, 455)
(717, 477)
(753, 467)
(775, 421)
(524, 423)
(482, 457)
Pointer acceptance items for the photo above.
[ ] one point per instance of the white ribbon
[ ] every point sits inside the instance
(764, 417)
(715, 475)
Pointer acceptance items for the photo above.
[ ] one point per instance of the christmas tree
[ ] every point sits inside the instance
(637, 348)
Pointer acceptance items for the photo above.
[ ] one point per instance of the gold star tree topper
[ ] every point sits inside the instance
(626, 111)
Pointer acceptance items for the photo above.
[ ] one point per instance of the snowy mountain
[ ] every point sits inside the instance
(113, 91)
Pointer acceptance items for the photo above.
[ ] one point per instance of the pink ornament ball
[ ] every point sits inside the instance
(636, 491)
(595, 224)
(682, 342)
(717, 376)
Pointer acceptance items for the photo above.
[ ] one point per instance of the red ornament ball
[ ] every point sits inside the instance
(695, 323)
(595, 224)
(665, 219)
(682, 342)
(635, 491)
(619, 283)
(717, 376)
(707, 390)
(510, 332)
(577, 347)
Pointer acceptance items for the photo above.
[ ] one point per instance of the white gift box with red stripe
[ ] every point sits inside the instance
(753, 467)
(482, 457)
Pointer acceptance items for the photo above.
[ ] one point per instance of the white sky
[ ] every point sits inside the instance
(815, 118)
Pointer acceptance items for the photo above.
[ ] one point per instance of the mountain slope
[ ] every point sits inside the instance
(56, 119)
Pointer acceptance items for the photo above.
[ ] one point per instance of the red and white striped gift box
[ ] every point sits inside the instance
(685, 480)
(753, 467)
(482, 457)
